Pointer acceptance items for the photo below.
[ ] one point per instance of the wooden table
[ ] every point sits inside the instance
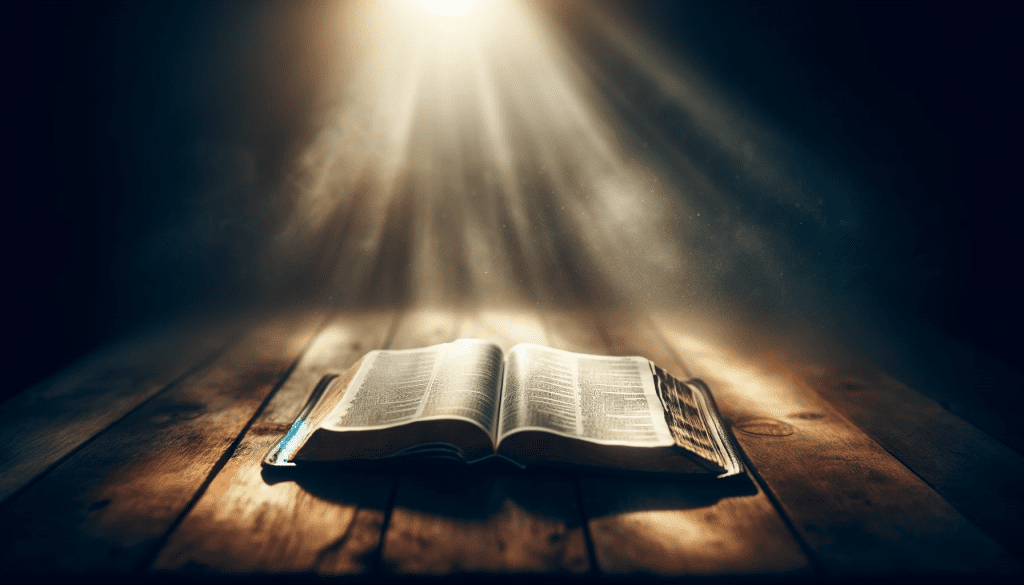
(146, 457)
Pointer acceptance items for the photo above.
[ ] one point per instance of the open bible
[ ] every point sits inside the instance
(466, 400)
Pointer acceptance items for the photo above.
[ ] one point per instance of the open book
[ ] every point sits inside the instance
(537, 405)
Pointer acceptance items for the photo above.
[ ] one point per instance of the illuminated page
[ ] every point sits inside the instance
(606, 400)
(457, 380)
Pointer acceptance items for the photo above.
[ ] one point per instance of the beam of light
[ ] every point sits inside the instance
(488, 159)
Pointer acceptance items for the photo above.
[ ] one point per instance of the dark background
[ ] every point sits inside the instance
(916, 98)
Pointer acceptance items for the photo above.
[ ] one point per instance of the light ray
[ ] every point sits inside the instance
(486, 159)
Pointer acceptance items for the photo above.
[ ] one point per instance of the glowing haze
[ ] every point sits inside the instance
(448, 7)
(486, 159)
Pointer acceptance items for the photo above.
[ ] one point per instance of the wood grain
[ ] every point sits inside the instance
(979, 475)
(253, 520)
(109, 505)
(850, 502)
(45, 423)
(670, 526)
(490, 520)
(857, 508)
(961, 379)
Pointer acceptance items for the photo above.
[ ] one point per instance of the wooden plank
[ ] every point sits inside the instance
(979, 475)
(492, 520)
(961, 379)
(669, 526)
(358, 502)
(855, 506)
(253, 520)
(109, 505)
(44, 424)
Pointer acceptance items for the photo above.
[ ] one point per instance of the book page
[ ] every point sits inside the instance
(607, 400)
(450, 380)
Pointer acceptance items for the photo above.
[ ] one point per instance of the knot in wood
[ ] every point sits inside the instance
(765, 427)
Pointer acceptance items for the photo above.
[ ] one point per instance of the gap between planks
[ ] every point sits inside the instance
(857, 508)
(978, 474)
(108, 507)
(43, 426)
(491, 519)
(252, 519)
(668, 526)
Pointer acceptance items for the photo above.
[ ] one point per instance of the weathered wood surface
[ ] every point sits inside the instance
(255, 520)
(108, 507)
(979, 475)
(491, 520)
(963, 380)
(856, 507)
(44, 424)
(174, 482)
(668, 526)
